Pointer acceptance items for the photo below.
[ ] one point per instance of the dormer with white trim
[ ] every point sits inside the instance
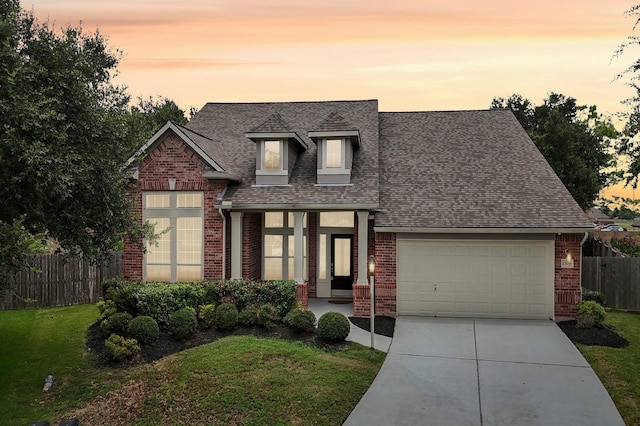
(277, 149)
(336, 141)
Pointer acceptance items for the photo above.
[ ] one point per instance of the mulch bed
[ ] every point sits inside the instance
(384, 326)
(167, 346)
(593, 336)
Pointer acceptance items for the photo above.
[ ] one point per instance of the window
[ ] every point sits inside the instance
(279, 246)
(337, 219)
(177, 254)
(272, 155)
(333, 153)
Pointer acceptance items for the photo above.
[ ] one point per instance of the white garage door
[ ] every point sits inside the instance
(475, 278)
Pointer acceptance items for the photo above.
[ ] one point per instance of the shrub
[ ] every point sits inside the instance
(590, 314)
(119, 348)
(268, 316)
(595, 296)
(333, 326)
(248, 317)
(106, 309)
(145, 330)
(111, 283)
(206, 315)
(123, 294)
(243, 293)
(300, 319)
(117, 323)
(160, 300)
(226, 316)
(183, 324)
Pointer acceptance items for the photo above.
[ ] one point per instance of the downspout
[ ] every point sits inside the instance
(584, 239)
(224, 243)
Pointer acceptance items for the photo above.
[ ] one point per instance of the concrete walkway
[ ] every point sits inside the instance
(443, 371)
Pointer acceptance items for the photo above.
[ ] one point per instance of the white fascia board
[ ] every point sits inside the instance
(336, 134)
(160, 133)
(410, 230)
(300, 206)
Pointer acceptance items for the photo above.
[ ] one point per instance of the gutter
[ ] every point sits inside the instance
(227, 205)
(411, 230)
(224, 233)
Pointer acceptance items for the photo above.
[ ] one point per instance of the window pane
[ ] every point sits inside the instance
(189, 200)
(333, 153)
(337, 219)
(342, 257)
(160, 252)
(157, 201)
(322, 257)
(273, 220)
(272, 155)
(189, 240)
(273, 269)
(189, 273)
(273, 245)
(158, 273)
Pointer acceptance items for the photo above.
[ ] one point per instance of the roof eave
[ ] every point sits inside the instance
(354, 135)
(421, 230)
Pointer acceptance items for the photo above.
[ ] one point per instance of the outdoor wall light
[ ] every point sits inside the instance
(372, 265)
(568, 255)
(172, 184)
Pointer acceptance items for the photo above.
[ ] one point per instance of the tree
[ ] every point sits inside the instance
(64, 129)
(575, 140)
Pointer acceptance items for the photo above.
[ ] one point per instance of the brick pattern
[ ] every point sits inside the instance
(252, 246)
(172, 158)
(385, 278)
(567, 281)
(302, 294)
(312, 253)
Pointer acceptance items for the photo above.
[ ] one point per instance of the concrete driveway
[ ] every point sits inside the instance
(452, 371)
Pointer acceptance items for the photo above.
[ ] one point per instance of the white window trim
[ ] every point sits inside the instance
(342, 170)
(173, 213)
(286, 231)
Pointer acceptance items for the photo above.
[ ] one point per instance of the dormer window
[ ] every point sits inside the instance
(336, 140)
(333, 153)
(272, 155)
(277, 149)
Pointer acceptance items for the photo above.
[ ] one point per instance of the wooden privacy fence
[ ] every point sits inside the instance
(617, 278)
(59, 281)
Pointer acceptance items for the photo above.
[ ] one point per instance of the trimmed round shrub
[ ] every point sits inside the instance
(300, 319)
(145, 330)
(118, 348)
(248, 317)
(117, 323)
(206, 315)
(268, 316)
(333, 326)
(182, 324)
(590, 314)
(595, 296)
(226, 316)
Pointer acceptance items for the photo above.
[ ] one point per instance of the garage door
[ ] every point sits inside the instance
(479, 278)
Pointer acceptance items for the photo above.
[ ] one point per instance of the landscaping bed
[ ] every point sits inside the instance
(384, 326)
(593, 336)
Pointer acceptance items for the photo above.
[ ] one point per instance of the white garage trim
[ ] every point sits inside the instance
(475, 278)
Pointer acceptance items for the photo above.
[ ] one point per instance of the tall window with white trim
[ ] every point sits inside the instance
(279, 246)
(177, 253)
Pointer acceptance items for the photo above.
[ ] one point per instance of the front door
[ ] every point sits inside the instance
(341, 262)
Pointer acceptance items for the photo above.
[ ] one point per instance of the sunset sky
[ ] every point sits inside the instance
(408, 54)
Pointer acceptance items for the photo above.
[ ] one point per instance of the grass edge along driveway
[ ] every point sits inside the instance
(618, 368)
(236, 380)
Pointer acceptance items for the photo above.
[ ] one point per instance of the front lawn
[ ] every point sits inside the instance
(234, 380)
(618, 369)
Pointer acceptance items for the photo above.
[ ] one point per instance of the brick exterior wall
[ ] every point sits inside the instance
(252, 246)
(566, 282)
(384, 245)
(172, 158)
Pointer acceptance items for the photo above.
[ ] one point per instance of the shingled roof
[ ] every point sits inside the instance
(226, 124)
(467, 169)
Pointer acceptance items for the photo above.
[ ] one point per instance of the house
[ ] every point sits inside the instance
(598, 217)
(462, 213)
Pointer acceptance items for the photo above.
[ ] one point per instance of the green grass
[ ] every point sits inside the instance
(33, 344)
(619, 369)
(236, 380)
